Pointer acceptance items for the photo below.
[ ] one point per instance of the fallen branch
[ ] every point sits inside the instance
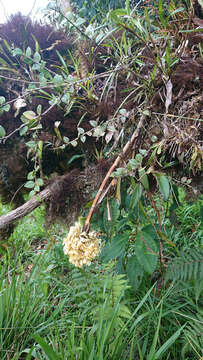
(70, 188)
(26, 208)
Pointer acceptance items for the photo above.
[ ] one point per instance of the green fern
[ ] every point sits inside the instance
(193, 334)
(188, 266)
(94, 292)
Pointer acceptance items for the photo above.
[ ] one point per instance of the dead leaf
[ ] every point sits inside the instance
(169, 87)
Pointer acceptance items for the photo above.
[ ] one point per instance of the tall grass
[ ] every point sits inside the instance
(51, 310)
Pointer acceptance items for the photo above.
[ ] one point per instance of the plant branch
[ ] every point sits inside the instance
(131, 143)
(26, 208)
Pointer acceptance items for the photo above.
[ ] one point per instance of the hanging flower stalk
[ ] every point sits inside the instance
(81, 247)
(131, 143)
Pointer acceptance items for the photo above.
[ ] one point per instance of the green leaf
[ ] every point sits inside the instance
(150, 230)
(32, 193)
(151, 354)
(115, 248)
(6, 107)
(36, 188)
(74, 157)
(28, 52)
(144, 179)
(164, 185)
(30, 353)
(161, 14)
(120, 12)
(17, 51)
(201, 213)
(36, 67)
(29, 184)
(66, 98)
(39, 182)
(66, 140)
(28, 115)
(123, 112)
(168, 343)
(135, 197)
(81, 131)
(39, 109)
(31, 175)
(146, 251)
(93, 123)
(2, 132)
(177, 11)
(23, 130)
(99, 131)
(2, 100)
(31, 144)
(51, 354)
(58, 80)
(37, 57)
(134, 271)
(83, 138)
(74, 143)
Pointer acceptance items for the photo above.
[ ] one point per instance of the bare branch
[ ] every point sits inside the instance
(26, 208)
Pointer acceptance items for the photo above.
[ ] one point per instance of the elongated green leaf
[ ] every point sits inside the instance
(136, 195)
(180, 9)
(164, 185)
(119, 12)
(114, 210)
(168, 343)
(156, 335)
(37, 56)
(144, 181)
(75, 157)
(201, 213)
(146, 251)
(161, 14)
(28, 52)
(51, 354)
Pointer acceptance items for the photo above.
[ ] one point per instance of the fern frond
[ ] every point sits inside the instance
(189, 266)
(193, 334)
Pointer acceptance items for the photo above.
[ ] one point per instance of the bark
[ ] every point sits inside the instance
(26, 208)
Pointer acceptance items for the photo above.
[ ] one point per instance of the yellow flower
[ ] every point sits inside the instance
(81, 247)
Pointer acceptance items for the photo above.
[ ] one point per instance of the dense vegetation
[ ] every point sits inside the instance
(101, 117)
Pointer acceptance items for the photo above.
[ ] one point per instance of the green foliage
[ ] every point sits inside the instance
(98, 8)
(65, 312)
(193, 334)
(188, 266)
(22, 312)
(128, 238)
(55, 311)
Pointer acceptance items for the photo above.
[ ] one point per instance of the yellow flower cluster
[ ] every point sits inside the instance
(81, 247)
